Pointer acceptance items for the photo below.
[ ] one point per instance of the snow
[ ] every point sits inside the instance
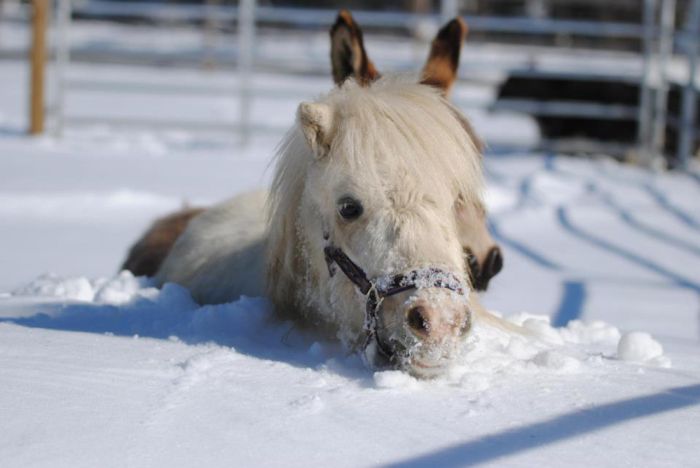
(641, 347)
(132, 375)
(98, 368)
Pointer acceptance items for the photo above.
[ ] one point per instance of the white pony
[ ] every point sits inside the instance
(349, 59)
(361, 239)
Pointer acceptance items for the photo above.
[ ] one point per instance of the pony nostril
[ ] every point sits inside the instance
(495, 262)
(492, 265)
(418, 321)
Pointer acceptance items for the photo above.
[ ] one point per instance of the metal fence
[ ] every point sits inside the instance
(657, 33)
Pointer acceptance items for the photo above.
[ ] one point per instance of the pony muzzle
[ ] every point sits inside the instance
(420, 331)
(413, 319)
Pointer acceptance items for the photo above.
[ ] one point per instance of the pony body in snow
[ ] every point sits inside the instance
(349, 59)
(377, 173)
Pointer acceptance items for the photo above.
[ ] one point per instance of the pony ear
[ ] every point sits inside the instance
(348, 55)
(440, 70)
(316, 122)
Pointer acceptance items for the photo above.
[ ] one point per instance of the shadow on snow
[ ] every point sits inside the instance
(247, 325)
(534, 436)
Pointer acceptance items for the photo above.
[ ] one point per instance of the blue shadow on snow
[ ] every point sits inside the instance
(571, 305)
(247, 325)
(522, 439)
(675, 278)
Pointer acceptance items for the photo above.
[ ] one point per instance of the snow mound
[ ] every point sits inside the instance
(50, 285)
(641, 347)
(127, 306)
(120, 289)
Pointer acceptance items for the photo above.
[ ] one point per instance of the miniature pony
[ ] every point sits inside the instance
(376, 188)
(349, 59)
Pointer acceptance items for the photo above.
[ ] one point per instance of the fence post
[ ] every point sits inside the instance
(211, 31)
(40, 12)
(645, 89)
(666, 35)
(246, 38)
(2, 16)
(687, 120)
(63, 21)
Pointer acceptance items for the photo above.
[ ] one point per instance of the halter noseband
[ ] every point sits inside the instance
(378, 289)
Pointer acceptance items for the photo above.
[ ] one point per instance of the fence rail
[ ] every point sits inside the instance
(657, 33)
(321, 18)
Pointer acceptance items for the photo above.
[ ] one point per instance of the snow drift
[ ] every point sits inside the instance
(128, 306)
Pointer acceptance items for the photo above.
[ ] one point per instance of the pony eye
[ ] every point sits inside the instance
(349, 208)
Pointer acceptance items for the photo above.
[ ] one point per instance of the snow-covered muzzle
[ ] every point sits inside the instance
(424, 339)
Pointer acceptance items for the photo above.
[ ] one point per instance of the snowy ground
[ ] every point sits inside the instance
(100, 369)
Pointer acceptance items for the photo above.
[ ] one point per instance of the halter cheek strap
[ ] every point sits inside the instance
(378, 289)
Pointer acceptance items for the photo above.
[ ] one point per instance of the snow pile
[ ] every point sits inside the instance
(53, 286)
(119, 289)
(125, 305)
(641, 347)
(541, 348)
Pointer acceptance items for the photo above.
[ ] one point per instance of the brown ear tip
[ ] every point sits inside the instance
(456, 27)
(462, 25)
(342, 21)
(345, 17)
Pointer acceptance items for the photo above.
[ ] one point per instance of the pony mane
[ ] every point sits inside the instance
(393, 130)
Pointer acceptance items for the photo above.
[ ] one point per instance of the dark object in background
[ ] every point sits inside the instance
(541, 88)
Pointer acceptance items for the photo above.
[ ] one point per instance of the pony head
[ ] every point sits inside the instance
(382, 174)
(349, 59)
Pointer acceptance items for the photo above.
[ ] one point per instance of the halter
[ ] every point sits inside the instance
(378, 289)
